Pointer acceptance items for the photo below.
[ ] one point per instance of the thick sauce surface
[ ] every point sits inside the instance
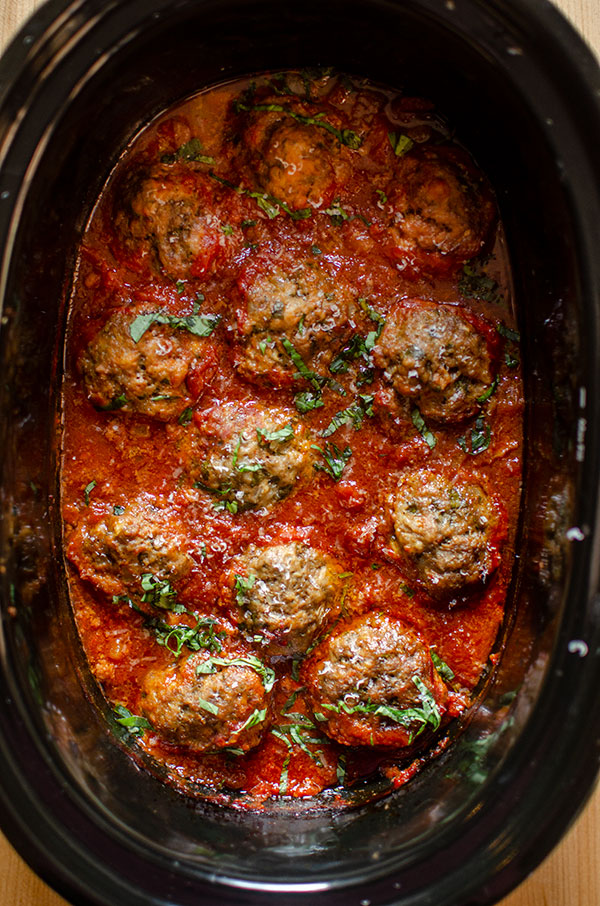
(292, 436)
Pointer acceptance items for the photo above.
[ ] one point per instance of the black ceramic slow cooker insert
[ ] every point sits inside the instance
(523, 93)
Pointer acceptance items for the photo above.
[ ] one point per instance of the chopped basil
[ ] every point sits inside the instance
(283, 777)
(353, 415)
(227, 229)
(335, 460)
(400, 143)
(308, 400)
(280, 435)
(442, 667)
(302, 368)
(207, 706)
(118, 510)
(419, 423)
(180, 286)
(315, 249)
(190, 151)
(88, 490)
(508, 333)
(245, 224)
(407, 590)
(241, 586)
(291, 701)
(199, 325)
(202, 636)
(478, 439)
(428, 714)
(134, 724)
(337, 213)
(186, 416)
(475, 284)
(116, 403)
(255, 718)
(510, 360)
(344, 136)
(266, 674)
(382, 196)
(230, 505)
(299, 732)
(159, 593)
(489, 391)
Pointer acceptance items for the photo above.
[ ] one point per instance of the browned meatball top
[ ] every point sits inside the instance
(283, 314)
(286, 593)
(208, 703)
(247, 455)
(434, 355)
(113, 552)
(445, 529)
(293, 159)
(442, 212)
(175, 215)
(372, 682)
(143, 374)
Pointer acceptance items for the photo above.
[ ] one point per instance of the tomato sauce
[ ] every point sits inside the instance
(113, 458)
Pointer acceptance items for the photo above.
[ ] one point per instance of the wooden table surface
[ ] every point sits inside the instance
(570, 876)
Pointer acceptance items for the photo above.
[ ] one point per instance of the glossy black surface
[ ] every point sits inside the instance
(523, 93)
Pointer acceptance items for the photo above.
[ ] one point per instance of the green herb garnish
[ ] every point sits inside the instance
(335, 460)
(88, 490)
(478, 439)
(199, 325)
(159, 593)
(442, 667)
(419, 423)
(210, 665)
(186, 416)
(475, 284)
(133, 723)
(278, 436)
(190, 151)
(400, 143)
(352, 415)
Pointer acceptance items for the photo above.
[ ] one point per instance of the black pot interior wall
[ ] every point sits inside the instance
(173, 50)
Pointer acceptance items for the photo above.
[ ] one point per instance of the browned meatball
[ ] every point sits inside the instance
(303, 313)
(113, 552)
(248, 456)
(372, 682)
(447, 529)
(435, 355)
(292, 161)
(285, 593)
(442, 210)
(143, 374)
(208, 703)
(174, 213)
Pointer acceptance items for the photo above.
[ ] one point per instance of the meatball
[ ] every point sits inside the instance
(372, 682)
(146, 376)
(433, 354)
(292, 161)
(248, 456)
(442, 210)
(174, 212)
(284, 315)
(446, 529)
(286, 593)
(209, 703)
(113, 552)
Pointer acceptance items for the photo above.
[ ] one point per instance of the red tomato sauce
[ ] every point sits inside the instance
(113, 458)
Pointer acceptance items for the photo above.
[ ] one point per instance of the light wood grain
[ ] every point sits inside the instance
(570, 876)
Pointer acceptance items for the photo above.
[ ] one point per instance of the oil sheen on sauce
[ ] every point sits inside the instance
(292, 438)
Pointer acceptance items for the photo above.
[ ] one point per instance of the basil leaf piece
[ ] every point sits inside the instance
(88, 490)
(201, 637)
(489, 391)
(352, 415)
(419, 423)
(133, 723)
(266, 673)
(159, 593)
(475, 284)
(479, 438)
(199, 325)
(207, 706)
(508, 333)
(280, 435)
(446, 673)
(335, 460)
(400, 143)
(190, 151)
(242, 585)
(308, 400)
